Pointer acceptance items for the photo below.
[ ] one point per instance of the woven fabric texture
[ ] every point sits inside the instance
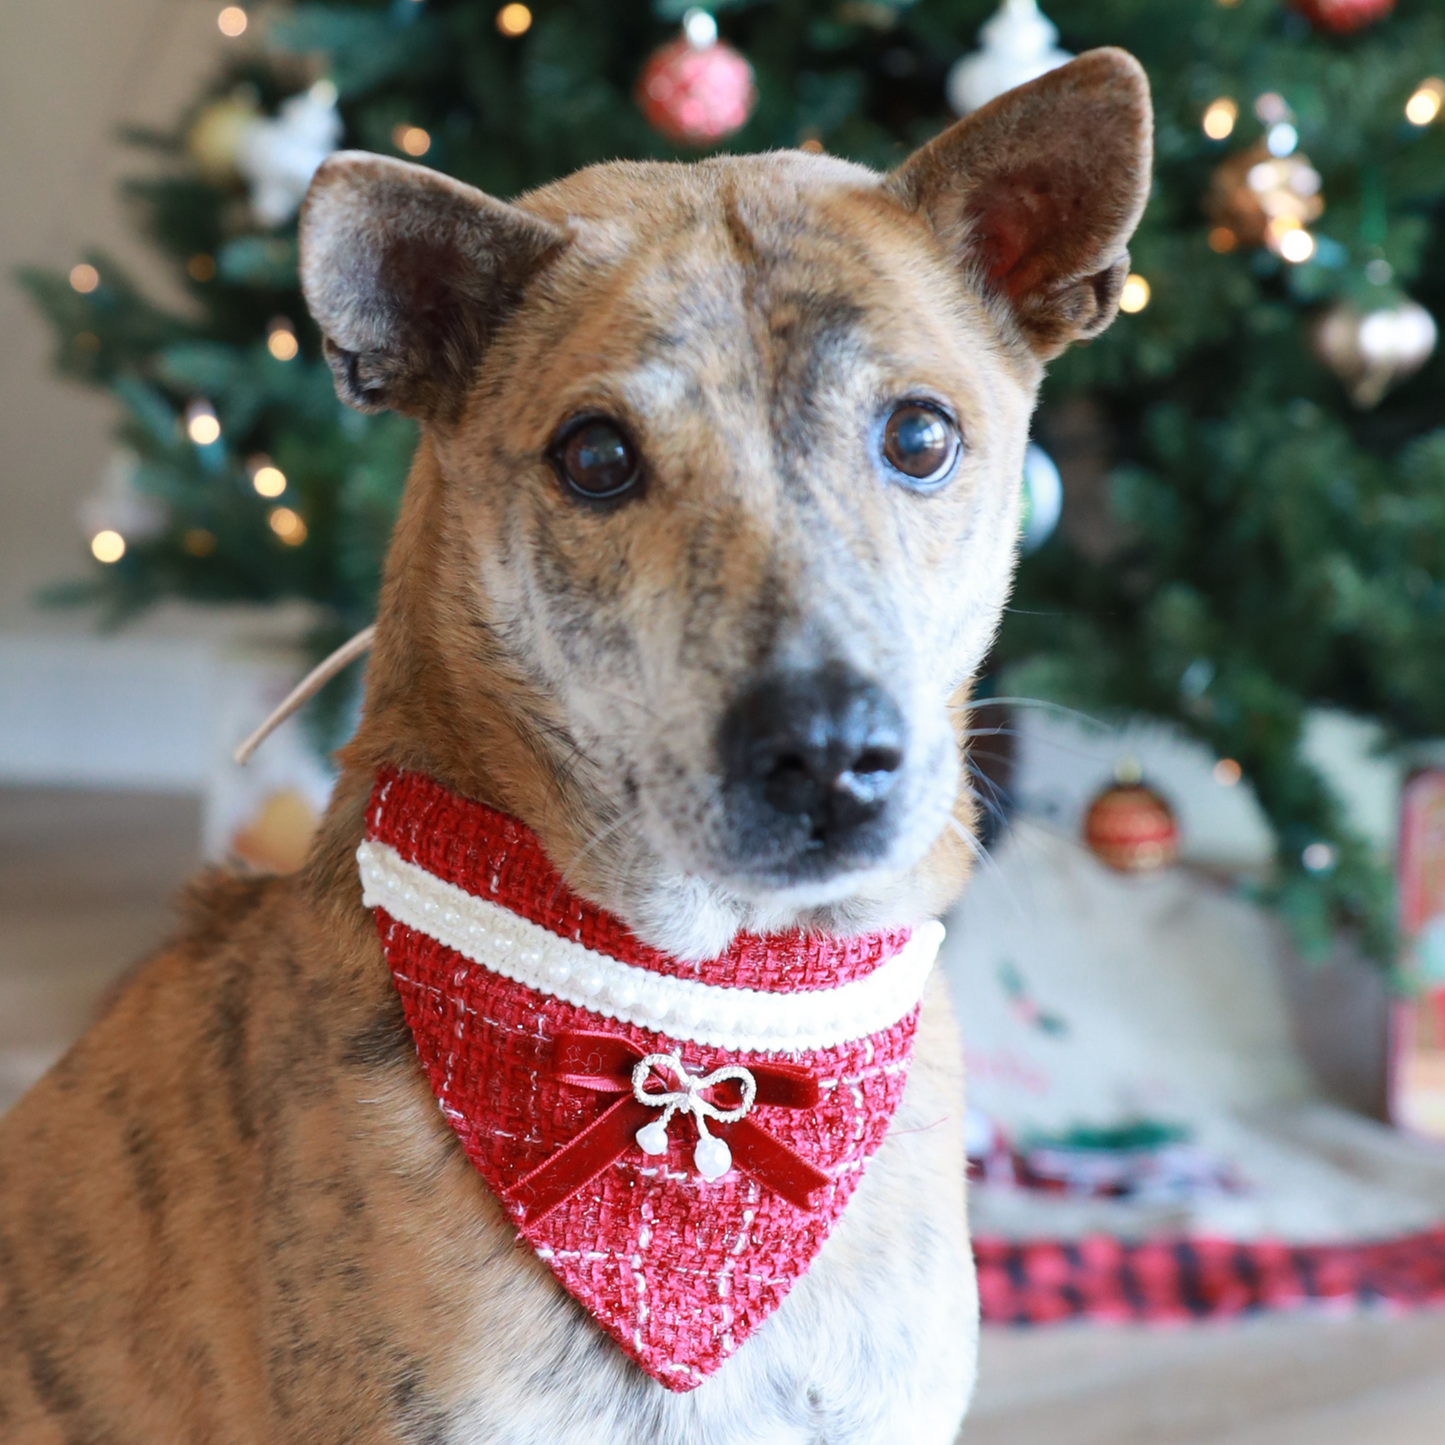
(678, 1271)
(493, 856)
(1046, 1282)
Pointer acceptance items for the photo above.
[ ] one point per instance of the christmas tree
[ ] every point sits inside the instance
(1256, 480)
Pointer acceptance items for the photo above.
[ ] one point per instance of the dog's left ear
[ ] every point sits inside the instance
(1038, 193)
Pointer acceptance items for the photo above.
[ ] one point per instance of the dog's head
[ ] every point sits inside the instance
(718, 498)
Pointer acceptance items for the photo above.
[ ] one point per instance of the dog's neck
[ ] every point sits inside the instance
(444, 699)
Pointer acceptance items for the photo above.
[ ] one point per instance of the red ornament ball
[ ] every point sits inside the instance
(1131, 828)
(1343, 16)
(695, 95)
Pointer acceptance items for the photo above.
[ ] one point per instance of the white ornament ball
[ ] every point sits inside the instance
(279, 157)
(1017, 45)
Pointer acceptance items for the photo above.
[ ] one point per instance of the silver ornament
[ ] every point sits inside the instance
(1370, 351)
(119, 505)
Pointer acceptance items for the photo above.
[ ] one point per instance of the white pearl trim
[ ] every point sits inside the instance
(738, 1019)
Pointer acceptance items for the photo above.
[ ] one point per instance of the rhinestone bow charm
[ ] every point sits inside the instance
(712, 1158)
(603, 1063)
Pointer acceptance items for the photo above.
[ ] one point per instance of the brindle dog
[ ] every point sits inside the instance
(712, 519)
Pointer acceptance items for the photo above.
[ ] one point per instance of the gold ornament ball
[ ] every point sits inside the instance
(1256, 198)
(215, 137)
(1132, 829)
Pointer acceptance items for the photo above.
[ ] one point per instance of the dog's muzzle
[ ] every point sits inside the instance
(810, 760)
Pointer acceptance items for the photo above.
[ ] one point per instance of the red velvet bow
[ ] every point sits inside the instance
(603, 1064)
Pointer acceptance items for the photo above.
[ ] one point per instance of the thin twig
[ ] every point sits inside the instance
(306, 689)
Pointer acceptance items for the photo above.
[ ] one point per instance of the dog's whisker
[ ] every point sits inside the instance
(636, 852)
(986, 861)
(601, 835)
(634, 702)
(996, 804)
(1042, 704)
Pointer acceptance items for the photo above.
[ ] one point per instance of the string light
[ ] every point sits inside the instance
(1135, 295)
(199, 542)
(232, 21)
(269, 481)
(1425, 104)
(201, 267)
(1272, 107)
(202, 426)
(1220, 117)
(812, 144)
(1227, 772)
(1286, 191)
(84, 278)
(699, 27)
(107, 546)
(1222, 240)
(1282, 139)
(514, 20)
(412, 140)
(1296, 245)
(281, 340)
(1318, 857)
(287, 526)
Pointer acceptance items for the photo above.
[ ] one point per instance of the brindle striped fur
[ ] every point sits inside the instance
(233, 1212)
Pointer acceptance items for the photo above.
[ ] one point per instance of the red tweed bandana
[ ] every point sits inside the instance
(675, 1140)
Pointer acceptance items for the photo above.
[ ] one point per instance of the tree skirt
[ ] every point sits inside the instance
(1044, 1282)
(1100, 1009)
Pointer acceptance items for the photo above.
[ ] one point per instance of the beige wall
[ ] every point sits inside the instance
(71, 71)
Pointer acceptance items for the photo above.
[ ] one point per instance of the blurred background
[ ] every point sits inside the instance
(1200, 970)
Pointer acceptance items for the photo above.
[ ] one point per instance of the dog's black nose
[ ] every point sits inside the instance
(818, 750)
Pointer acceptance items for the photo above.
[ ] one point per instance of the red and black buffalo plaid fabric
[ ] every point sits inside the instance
(1042, 1282)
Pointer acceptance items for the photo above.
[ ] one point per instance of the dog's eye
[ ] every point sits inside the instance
(921, 444)
(597, 461)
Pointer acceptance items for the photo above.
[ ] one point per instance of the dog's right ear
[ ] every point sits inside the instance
(408, 274)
